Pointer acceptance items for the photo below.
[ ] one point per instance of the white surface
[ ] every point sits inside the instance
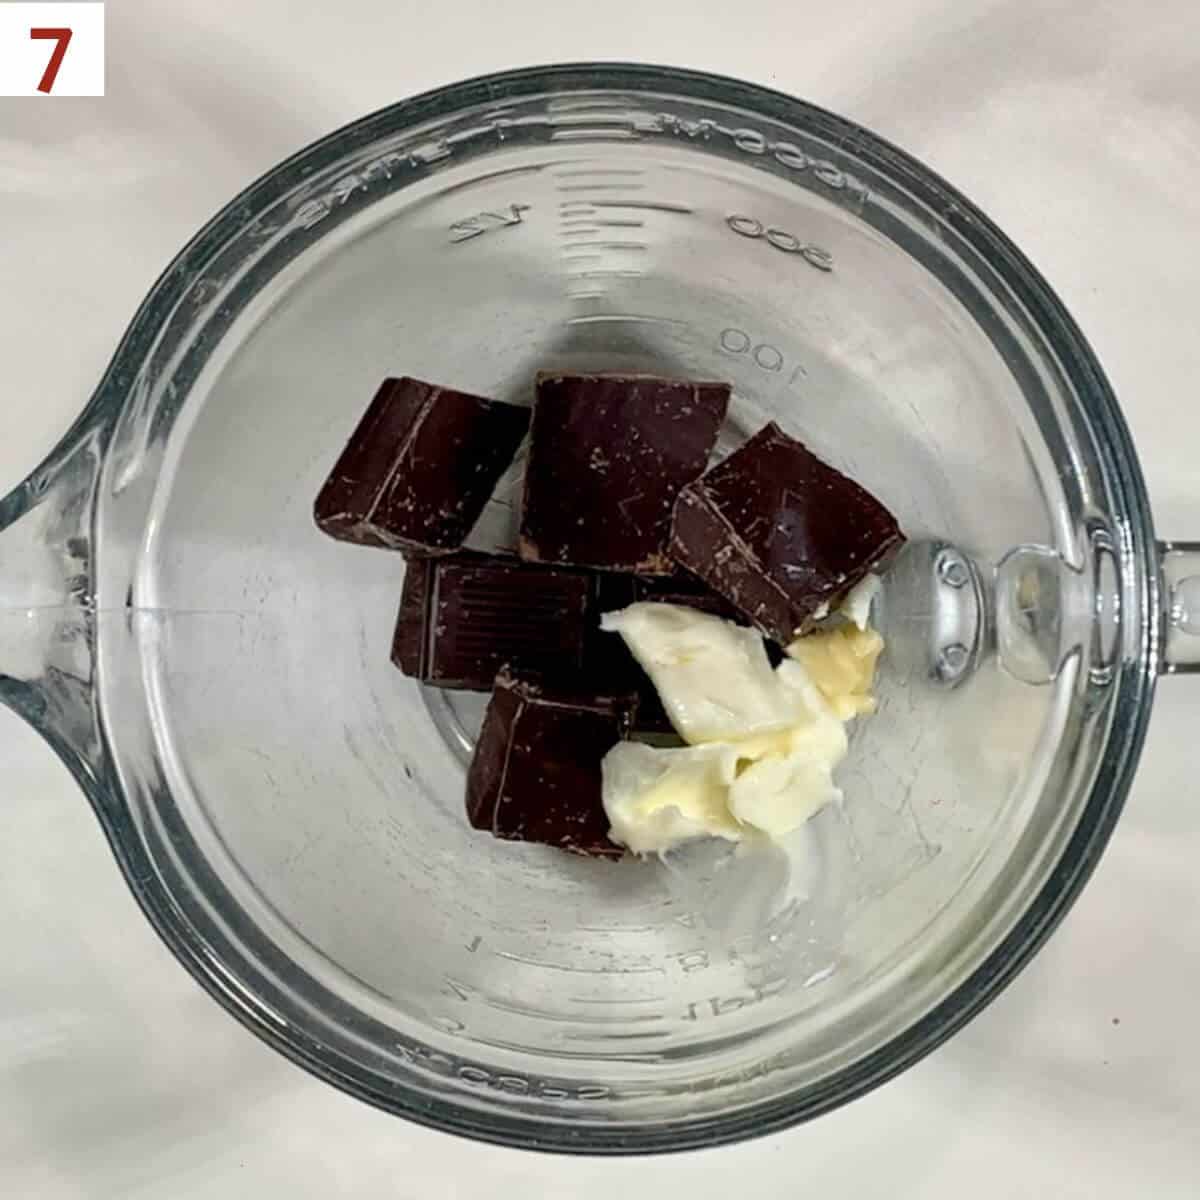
(1077, 126)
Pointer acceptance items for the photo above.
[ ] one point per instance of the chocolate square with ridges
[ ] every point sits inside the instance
(419, 468)
(464, 617)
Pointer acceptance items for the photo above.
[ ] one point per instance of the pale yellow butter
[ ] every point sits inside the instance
(763, 742)
(657, 798)
(714, 677)
(841, 663)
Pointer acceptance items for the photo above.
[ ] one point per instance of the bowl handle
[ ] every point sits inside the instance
(47, 613)
(1181, 607)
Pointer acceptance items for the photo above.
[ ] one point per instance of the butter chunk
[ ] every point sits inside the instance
(778, 792)
(656, 799)
(841, 664)
(857, 605)
(764, 742)
(713, 677)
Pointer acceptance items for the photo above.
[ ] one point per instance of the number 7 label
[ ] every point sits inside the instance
(61, 39)
(51, 50)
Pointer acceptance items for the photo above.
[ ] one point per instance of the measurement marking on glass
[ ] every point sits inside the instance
(578, 226)
(718, 1006)
(588, 171)
(603, 245)
(486, 222)
(616, 1000)
(636, 1058)
(601, 187)
(765, 356)
(523, 1010)
(578, 135)
(780, 239)
(456, 989)
(650, 205)
(617, 318)
(591, 227)
(520, 1009)
(608, 273)
(547, 966)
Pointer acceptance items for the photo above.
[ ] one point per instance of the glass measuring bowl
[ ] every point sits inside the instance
(288, 808)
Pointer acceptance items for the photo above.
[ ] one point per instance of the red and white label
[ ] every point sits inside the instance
(51, 50)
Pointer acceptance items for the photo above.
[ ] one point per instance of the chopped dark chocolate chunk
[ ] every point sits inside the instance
(419, 468)
(536, 775)
(780, 534)
(615, 592)
(687, 591)
(465, 616)
(608, 457)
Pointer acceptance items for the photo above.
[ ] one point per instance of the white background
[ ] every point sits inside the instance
(23, 60)
(1076, 125)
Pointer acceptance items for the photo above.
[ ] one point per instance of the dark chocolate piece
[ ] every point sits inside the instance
(687, 591)
(464, 617)
(608, 457)
(419, 468)
(536, 776)
(614, 592)
(780, 534)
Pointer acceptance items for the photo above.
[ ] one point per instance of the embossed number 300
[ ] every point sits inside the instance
(61, 37)
(748, 227)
